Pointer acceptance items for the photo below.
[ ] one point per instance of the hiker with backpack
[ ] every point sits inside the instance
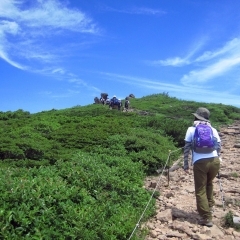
(119, 104)
(127, 102)
(115, 102)
(204, 142)
(102, 100)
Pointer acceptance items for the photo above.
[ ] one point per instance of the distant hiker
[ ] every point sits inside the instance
(115, 102)
(204, 142)
(119, 104)
(126, 105)
(112, 101)
(102, 100)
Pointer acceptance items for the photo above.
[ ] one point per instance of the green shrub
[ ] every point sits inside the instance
(140, 145)
(228, 218)
(228, 221)
(235, 174)
(87, 197)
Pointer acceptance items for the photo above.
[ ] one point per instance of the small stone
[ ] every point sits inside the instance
(236, 234)
(153, 234)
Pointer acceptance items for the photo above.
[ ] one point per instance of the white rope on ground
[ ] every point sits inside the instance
(138, 223)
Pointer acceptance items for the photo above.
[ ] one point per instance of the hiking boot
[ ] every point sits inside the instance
(205, 222)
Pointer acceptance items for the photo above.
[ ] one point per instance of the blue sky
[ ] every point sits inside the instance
(59, 54)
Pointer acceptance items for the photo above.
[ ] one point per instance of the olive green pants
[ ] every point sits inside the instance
(205, 170)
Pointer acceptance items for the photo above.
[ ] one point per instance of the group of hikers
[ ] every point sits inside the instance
(114, 101)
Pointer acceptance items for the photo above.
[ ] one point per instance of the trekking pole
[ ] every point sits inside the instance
(221, 190)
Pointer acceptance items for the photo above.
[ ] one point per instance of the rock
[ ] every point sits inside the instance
(236, 234)
(199, 236)
(97, 100)
(153, 184)
(173, 168)
(236, 220)
(153, 234)
(216, 231)
(190, 190)
(104, 95)
(165, 216)
(182, 227)
(169, 194)
(229, 231)
(176, 234)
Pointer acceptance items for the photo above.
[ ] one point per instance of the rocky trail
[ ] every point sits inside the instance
(176, 216)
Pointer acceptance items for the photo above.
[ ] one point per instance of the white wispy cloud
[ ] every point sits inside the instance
(27, 34)
(207, 66)
(47, 13)
(230, 48)
(210, 72)
(215, 64)
(29, 30)
(12, 28)
(58, 70)
(79, 82)
(149, 83)
(4, 56)
(175, 62)
(75, 80)
(8, 27)
(181, 61)
(34, 50)
(137, 10)
(146, 11)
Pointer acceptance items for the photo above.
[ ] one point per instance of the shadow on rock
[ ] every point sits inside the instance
(179, 214)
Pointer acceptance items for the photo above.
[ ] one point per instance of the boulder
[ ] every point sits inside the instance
(104, 96)
(97, 100)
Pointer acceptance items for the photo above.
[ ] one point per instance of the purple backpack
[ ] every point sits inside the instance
(203, 140)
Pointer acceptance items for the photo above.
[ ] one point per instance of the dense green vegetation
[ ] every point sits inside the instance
(78, 173)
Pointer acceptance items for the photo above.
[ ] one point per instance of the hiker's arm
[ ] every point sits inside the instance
(187, 149)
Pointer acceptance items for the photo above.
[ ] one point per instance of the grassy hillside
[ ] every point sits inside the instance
(82, 168)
